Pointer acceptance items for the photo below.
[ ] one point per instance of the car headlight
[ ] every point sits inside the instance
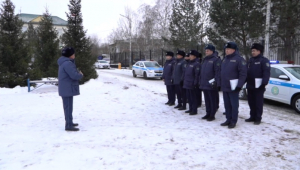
(150, 71)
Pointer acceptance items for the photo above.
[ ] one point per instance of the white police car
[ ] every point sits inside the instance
(284, 84)
(147, 69)
(102, 64)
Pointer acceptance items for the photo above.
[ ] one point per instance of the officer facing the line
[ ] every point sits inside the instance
(233, 77)
(167, 78)
(209, 81)
(258, 70)
(178, 71)
(190, 82)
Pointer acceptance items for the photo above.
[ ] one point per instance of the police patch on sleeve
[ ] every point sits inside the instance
(244, 63)
(218, 64)
(268, 64)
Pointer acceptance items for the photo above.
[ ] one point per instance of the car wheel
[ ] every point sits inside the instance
(296, 103)
(243, 94)
(145, 75)
(133, 73)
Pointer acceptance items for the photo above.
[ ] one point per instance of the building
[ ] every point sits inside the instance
(58, 23)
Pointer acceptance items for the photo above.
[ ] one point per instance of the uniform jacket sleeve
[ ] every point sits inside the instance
(242, 69)
(71, 70)
(217, 69)
(163, 75)
(197, 72)
(266, 69)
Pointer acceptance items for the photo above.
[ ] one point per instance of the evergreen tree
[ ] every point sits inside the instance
(285, 26)
(14, 57)
(185, 26)
(241, 21)
(47, 48)
(75, 37)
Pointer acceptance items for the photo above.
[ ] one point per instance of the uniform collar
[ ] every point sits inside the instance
(231, 55)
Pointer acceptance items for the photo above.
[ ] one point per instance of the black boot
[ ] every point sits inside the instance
(167, 103)
(205, 117)
(182, 108)
(171, 104)
(75, 124)
(224, 113)
(211, 119)
(193, 113)
(225, 123)
(71, 129)
(188, 111)
(178, 106)
(249, 120)
(231, 125)
(257, 122)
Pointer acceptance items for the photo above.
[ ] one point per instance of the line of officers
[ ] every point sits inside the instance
(188, 75)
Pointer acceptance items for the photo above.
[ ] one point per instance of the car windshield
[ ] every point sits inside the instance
(295, 71)
(151, 64)
(103, 61)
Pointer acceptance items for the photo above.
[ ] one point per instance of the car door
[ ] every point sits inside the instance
(278, 89)
(136, 68)
(142, 68)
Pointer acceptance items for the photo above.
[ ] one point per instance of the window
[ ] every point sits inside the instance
(141, 65)
(275, 73)
(137, 64)
(152, 64)
(295, 71)
(102, 61)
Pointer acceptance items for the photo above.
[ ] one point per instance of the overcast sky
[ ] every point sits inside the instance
(99, 16)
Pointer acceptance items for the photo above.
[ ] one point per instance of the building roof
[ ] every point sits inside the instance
(33, 18)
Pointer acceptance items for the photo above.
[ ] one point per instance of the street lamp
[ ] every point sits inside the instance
(130, 37)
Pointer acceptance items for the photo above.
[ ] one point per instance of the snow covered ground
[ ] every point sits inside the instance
(124, 125)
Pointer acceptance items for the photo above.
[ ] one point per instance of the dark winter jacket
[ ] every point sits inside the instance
(233, 67)
(210, 69)
(168, 71)
(258, 67)
(191, 74)
(178, 71)
(68, 77)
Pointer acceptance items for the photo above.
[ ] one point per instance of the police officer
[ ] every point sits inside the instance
(190, 82)
(258, 68)
(167, 78)
(233, 77)
(178, 71)
(209, 81)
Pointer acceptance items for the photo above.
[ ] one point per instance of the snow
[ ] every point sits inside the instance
(124, 124)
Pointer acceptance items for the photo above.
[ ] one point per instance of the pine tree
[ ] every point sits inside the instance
(241, 21)
(47, 47)
(285, 26)
(75, 37)
(14, 57)
(185, 26)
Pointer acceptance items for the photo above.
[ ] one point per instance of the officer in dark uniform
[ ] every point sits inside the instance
(209, 81)
(258, 68)
(190, 82)
(178, 71)
(233, 77)
(167, 78)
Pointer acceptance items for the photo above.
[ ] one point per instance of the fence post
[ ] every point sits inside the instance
(150, 55)
(125, 61)
(140, 55)
(162, 57)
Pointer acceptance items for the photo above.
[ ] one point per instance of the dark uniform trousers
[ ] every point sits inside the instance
(256, 101)
(171, 93)
(211, 102)
(192, 99)
(231, 103)
(68, 110)
(181, 95)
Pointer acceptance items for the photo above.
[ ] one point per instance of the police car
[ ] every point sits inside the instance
(284, 84)
(147, 69)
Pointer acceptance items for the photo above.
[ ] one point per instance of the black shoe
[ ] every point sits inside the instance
(182, 108)
(225, 123)
(249, 120)
(171, 104)
(178, 106)
(224, 113)
(75, 124)
(205, 117)
(257, 122)
(199, 105)
(188, 111)
(167, 103)
(231, 126)
(71, 129)
(193, 113)
(211, 119)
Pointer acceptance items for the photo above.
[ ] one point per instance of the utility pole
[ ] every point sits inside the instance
(267, 34)
(130, 35)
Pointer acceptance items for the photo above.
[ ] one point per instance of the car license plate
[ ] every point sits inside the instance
(158, 74)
